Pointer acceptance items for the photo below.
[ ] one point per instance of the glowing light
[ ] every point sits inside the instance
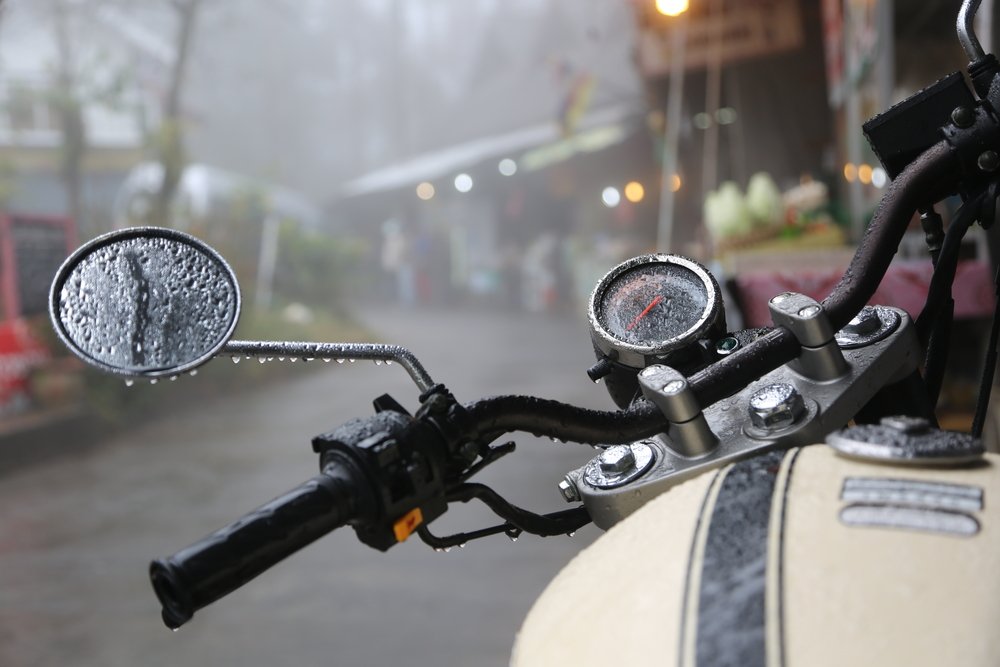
(634, 192)
(879, 177)
(850, 172)
(507, 167)
(865, 173)
(675, 182)
(725, 116)
(611, 197)
(672, 7)
(463, 182)
(425, 191)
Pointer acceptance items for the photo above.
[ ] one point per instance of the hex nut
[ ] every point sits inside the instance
(617, 460)
(568, 490)
(864, 323)
(776, 407)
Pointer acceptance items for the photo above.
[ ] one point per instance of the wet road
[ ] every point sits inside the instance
(76, 533)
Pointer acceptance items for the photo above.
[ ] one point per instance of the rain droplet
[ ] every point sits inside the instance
(352, 360)
(129, 383)
(312, 359)
(293, 359)
(340, 361)
(388, 362)
(193, 373)
(153, 381)
(513, 538)
(378, 362)
(462, 545)
(236, 359)
(262, 360)
(571, 533)
(327, 360)
(173, 378)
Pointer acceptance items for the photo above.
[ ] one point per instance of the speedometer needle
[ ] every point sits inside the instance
(652, 304)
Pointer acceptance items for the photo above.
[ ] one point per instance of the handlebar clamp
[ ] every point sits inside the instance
(820, 358)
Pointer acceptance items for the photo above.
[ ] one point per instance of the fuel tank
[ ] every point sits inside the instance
(797, 557)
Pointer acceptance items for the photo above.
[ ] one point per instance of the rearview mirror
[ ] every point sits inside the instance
(145, 302)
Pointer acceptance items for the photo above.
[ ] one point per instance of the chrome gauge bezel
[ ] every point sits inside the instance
(640, 356)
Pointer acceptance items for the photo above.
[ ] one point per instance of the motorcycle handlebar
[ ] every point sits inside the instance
(919, 183)
(221, 562)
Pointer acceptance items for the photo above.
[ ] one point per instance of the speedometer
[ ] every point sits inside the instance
(650, 306)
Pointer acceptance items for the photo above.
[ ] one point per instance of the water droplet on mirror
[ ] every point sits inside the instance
(236, 359)
(340, 361)
(193, 373)
(153, 381)
(352, 360)
(513, 538)
(262, 360)
(462, 545)
(327, 360)
(571, 533)
(129, 383)
(281, 358)
(173, 378)
(388, 362)
(378, 362)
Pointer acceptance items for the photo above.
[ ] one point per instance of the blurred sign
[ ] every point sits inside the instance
(739, 30)
(32, 248)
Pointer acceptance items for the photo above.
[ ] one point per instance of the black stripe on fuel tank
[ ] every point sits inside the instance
(731, 604)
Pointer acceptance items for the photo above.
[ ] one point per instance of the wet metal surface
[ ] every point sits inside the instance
(145, 301)
(77, 532)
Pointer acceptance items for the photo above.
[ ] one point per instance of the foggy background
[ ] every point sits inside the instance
(453, 176)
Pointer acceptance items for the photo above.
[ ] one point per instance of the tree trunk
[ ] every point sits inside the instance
(170, 139)
(70, 110)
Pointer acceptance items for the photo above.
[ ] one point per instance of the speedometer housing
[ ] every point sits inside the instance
(650, 307)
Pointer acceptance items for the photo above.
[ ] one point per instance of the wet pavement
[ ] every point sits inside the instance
(77, 531)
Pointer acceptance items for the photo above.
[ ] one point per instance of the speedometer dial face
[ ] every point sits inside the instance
(652, 303)
(649, 306)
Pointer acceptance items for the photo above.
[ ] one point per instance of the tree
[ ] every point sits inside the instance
(169, 139)
(66, 100)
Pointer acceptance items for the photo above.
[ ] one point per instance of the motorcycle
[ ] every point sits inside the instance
(733, 537)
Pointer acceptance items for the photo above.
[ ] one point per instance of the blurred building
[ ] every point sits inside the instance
(57, 59)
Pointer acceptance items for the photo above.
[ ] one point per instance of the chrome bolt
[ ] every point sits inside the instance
(864, 323)
(568, 490)
(674, 386)
(776, 406)
(810, 311)
(906, 424)
(988, 161)
(963, 117)
(617, 460)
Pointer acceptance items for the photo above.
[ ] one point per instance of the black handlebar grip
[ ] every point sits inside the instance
(230, 557)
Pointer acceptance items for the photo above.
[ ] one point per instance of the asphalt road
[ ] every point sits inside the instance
(77, 531)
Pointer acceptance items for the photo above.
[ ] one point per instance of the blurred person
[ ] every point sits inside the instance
(397, 261)
(538, 271)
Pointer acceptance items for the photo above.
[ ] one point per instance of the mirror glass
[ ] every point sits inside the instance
(145, 302)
